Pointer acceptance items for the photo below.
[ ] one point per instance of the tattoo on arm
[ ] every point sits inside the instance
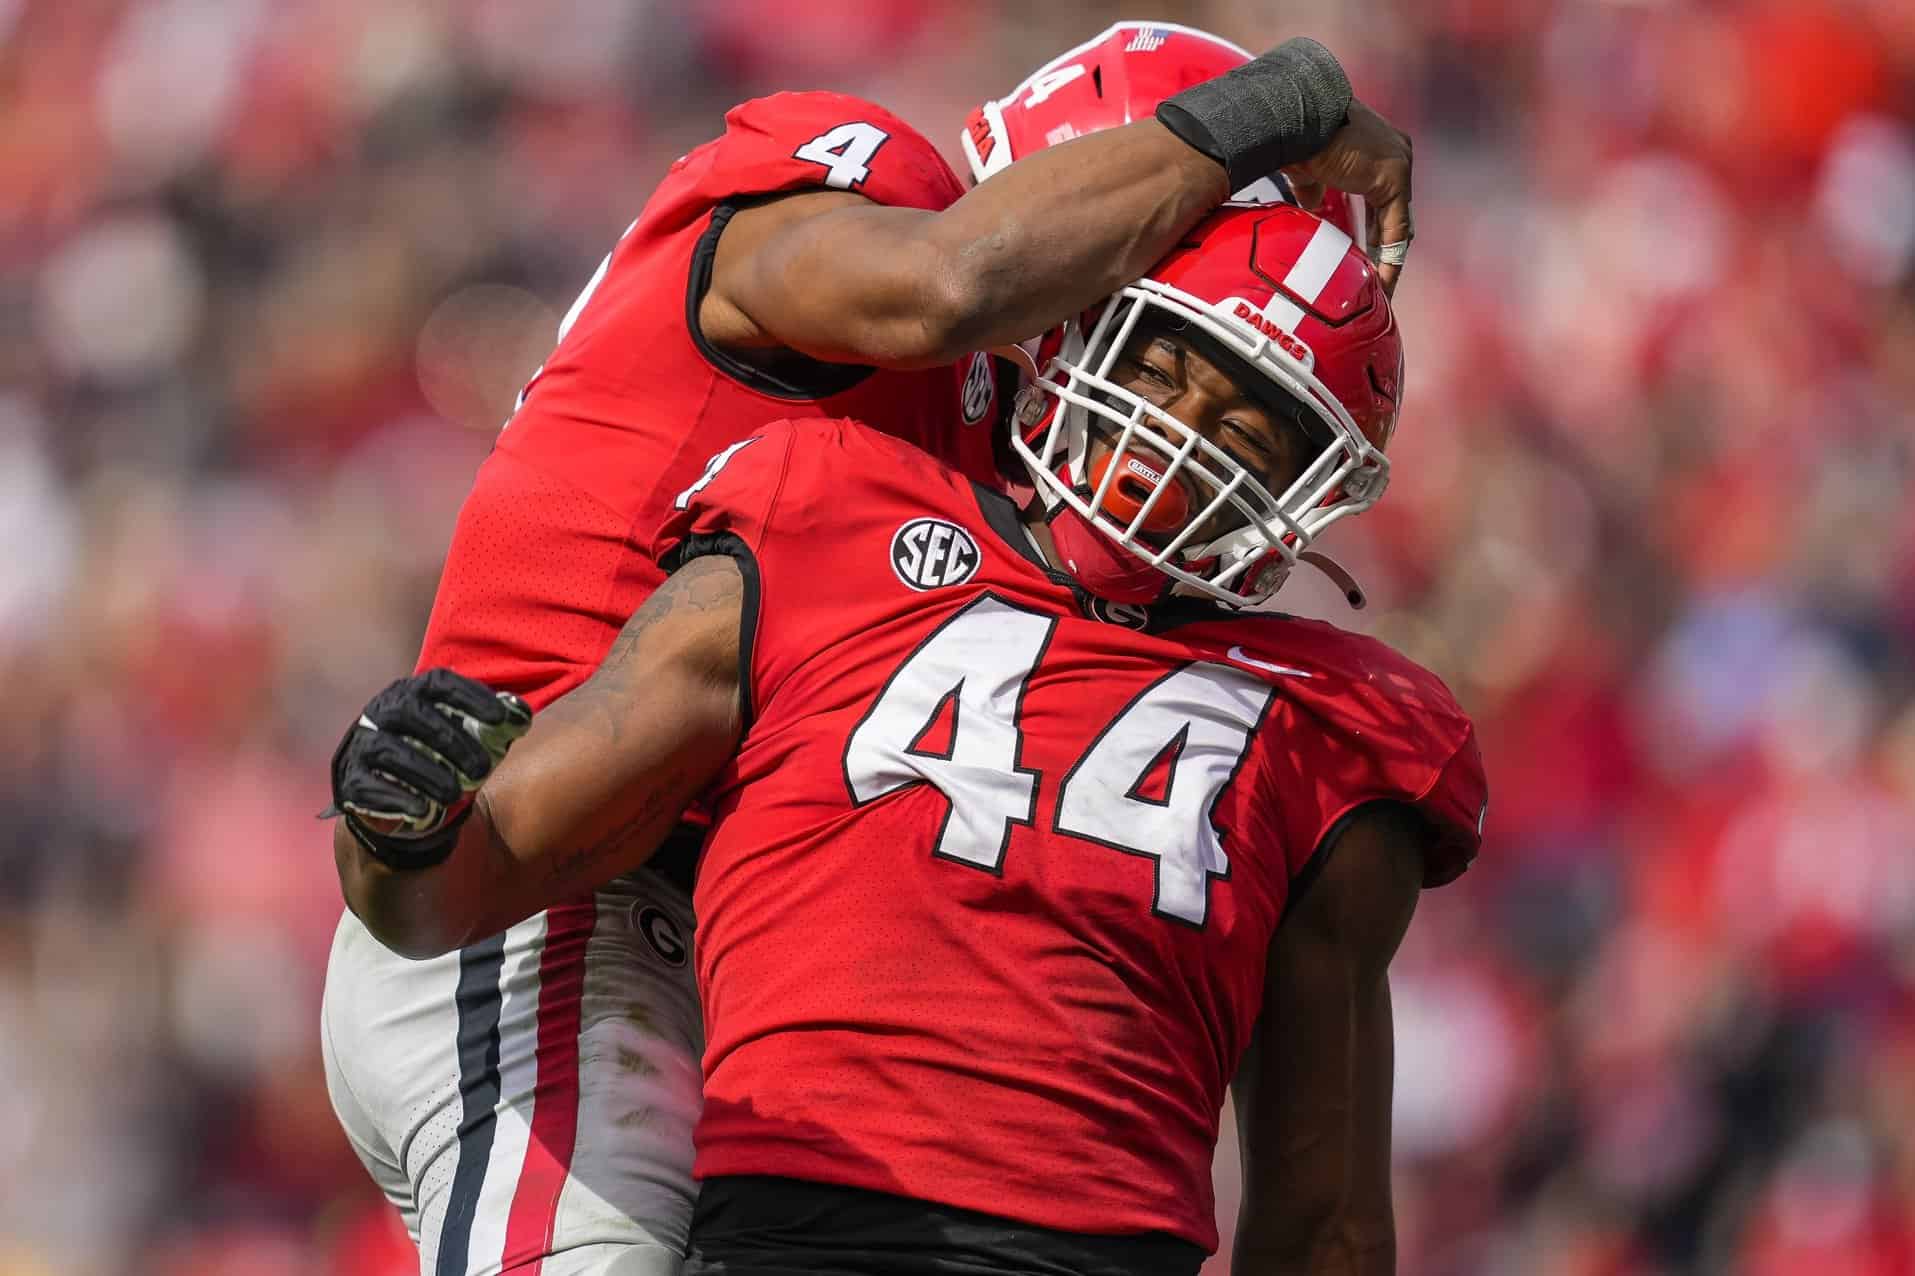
(608, 769)
(700, 588)
(659, 807)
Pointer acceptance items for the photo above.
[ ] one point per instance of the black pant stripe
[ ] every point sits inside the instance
(479, 1003)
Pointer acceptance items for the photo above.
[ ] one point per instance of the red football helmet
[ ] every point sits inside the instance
(1284, 296)
(1116, 77)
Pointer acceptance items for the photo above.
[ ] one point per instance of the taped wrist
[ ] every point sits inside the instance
(1279, 109)
(405, 854)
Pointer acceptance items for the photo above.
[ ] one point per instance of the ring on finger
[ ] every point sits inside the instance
(1393, 254)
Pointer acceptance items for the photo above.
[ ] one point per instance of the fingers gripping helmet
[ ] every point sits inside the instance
(1118, 76)
(1292, 307)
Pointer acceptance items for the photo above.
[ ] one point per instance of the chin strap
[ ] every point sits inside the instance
(1352, 592)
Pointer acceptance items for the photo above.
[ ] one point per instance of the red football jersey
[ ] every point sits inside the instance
(552, 550)
(984, 914)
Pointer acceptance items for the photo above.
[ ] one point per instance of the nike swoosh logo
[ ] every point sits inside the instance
(1243, 657)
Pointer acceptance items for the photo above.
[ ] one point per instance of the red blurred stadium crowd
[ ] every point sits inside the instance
(272, 271)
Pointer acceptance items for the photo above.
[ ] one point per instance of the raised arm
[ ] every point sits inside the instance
(588, 794)
(841, 279)
(1313, 1094)
(835, 277)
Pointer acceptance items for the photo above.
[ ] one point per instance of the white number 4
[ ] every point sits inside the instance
(712, 468)
(1191, 729)
(1051, 81)
(978, 662)
(1145, 786)
(846, 151)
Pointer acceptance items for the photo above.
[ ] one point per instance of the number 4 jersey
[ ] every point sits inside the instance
(551, 553)
(984, 915)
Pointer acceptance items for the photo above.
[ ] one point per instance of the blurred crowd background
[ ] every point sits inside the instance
(272, 270)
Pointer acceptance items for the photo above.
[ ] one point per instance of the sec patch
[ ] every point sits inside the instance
(930, 553)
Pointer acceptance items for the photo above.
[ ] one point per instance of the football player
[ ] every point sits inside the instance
(1007, 806)
(526, 1100)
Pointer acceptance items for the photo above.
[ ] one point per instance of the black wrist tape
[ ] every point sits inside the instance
(1280, 109)
(405, 854)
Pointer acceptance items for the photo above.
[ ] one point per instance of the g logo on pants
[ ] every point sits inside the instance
(662, 935)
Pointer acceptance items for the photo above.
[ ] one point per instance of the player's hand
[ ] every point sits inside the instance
(1370, 157)
(404, 774)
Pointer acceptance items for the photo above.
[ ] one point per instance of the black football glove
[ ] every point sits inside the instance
(404, 774)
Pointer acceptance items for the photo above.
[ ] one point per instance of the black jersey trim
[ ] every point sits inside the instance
(729, 545)
(1007, 524)
(816, 380)
(1326, 847)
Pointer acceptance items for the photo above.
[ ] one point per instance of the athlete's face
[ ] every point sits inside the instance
(1166, 370)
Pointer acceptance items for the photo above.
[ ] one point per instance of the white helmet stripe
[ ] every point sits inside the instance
(1283, 312)
(1319, 261)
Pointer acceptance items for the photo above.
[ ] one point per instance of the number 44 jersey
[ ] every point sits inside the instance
(984, 914)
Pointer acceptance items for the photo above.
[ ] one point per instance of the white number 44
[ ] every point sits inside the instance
(1145, 786)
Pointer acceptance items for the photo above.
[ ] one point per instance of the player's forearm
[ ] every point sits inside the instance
(1316, 1184)
(579, 802)
(606, 772)
(420, 912)
(1039, 242)
(1316, 1191)
(1065, 228)
(588, 794)
(594, 798)
(1062, 229)
(489, 883)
